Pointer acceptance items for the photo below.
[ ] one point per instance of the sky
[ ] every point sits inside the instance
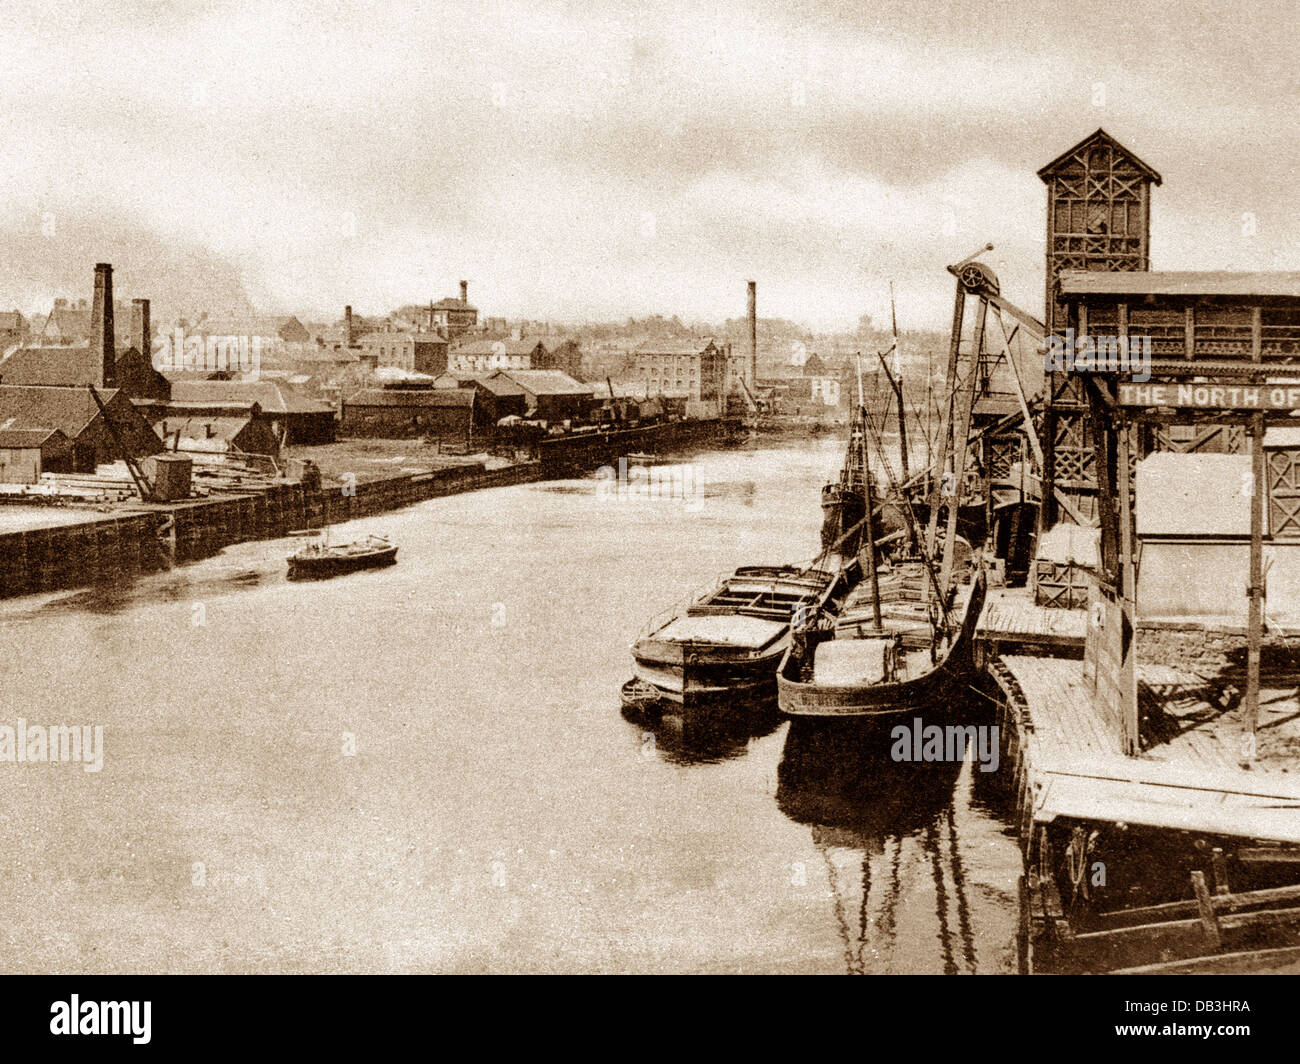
(597, 160)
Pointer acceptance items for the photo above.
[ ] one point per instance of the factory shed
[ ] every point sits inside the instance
(402, 413)
(27, 453)
(74, 412)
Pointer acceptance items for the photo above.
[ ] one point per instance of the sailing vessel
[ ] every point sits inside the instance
(725, 646)
(886, 651)
(902, 637)
(323, 559)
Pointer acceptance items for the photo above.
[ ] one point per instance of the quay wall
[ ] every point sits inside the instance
(69, 556)
(154, 536)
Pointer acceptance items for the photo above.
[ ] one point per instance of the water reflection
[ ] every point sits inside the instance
(700, 739)
(115, 595)
(887, 835)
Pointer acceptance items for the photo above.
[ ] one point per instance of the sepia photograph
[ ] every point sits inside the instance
(553, 488)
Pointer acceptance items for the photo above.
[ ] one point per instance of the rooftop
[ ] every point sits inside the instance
(69, 410)
(407, 397)
(545, 381)
(499, 347)
(1180, 283)
(27, 437)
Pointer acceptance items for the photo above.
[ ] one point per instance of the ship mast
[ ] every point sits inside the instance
(859, 433)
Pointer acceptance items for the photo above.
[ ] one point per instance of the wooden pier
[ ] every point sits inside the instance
(1011, 623)
(1190, 790)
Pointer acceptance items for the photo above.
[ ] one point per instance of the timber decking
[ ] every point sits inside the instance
(1192, 780)
(1011, 621)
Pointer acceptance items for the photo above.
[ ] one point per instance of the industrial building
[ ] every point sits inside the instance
(401, 413)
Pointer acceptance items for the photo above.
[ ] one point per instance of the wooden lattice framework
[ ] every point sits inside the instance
(1234, 375)
(1098, 218)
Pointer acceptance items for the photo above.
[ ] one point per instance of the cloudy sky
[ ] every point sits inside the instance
(597, 160)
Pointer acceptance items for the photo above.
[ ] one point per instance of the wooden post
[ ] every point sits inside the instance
(1128, 592)
(1255, 617)
(1189, 333)
(1209, 922)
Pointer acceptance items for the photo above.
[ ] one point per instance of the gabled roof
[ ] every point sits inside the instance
(453, 304)
(69, 410)
(671, 348)
(545, 381)
(20, 438)
(503, 347)
(273, 398)
(1180, 283)
(62, 364)
(68, 323)
(1100, 136)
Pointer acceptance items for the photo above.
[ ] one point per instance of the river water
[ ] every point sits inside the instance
(426, 769)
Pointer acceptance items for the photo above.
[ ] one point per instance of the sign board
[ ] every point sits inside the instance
(1212, 396)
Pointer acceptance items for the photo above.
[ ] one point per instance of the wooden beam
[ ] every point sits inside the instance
(1189, 332)
(1030, 431)
(945, 421)
(1255, 615)
(1209, 921)
(1128, 591)
(1256, 334)
(1068, 507)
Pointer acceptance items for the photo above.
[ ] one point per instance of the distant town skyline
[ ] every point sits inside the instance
(617, 162)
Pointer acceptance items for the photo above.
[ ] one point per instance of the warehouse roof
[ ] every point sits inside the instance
(20, 438)
(544, 381)
(409, 397)
(273, 398)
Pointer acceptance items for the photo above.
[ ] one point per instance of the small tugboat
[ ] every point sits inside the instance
(323, 559)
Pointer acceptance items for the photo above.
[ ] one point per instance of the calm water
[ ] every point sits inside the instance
(499, 813)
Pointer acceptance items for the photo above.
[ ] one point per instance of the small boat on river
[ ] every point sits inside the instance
(324, 559)
(901, 639)
(855, 663)
(724, 647)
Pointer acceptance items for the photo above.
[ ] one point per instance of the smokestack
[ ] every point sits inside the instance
(141, 329)
(103, 368)
(347, 326)
(464, 292)
(753, 334)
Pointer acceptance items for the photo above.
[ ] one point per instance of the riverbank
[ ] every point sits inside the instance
(94, 545)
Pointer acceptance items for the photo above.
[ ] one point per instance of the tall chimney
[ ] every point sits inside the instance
(464, 291)
(141, 329)
(753, 334)
(347, 326)
(103, 364)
